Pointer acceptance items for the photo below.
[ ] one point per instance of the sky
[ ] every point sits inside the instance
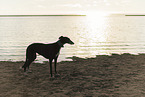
(49, 7)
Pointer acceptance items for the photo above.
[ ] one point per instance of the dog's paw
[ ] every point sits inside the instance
(21, 68)
(51, 78)
(57, 75)
(25, 73)
(29, 71)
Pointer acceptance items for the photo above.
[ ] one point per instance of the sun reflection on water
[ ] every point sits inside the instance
(95, 33)
(95, 29)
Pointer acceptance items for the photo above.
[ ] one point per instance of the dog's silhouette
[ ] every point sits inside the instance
(49, 51)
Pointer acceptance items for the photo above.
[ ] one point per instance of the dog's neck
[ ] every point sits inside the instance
(60, 43)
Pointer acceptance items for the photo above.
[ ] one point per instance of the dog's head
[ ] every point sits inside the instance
(65, 40)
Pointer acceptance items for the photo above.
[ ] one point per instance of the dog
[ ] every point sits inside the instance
(49, 51)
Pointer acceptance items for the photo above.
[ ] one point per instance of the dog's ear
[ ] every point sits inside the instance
(60, 37)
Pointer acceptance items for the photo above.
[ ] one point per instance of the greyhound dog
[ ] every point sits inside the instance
(49, 51)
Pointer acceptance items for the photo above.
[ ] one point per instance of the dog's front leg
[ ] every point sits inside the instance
(55, 65)
(50, 64)
(55, 62)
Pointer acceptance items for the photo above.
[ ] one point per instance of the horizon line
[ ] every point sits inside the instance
(40, 15)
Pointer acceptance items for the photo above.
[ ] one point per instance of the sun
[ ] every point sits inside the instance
(96, 14)
(96, 17)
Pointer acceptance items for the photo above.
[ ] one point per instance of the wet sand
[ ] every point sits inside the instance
(103, 76)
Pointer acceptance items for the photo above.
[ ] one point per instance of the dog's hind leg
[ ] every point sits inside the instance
(28, 61)
(25, 66)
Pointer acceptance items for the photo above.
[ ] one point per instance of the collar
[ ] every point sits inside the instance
(59, 43)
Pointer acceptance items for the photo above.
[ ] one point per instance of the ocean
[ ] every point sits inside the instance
(98, 35)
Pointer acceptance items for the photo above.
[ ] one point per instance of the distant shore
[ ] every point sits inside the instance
(134, 15)
(35, 15)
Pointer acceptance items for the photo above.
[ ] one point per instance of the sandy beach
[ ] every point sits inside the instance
(103, 76)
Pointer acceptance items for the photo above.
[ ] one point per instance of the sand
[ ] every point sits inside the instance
(103, 76)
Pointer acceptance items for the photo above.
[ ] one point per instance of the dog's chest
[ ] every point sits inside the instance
(57, 54)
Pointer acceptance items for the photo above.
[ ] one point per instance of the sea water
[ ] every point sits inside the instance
(98, 35)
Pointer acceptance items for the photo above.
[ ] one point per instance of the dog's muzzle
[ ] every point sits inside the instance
(71, 42)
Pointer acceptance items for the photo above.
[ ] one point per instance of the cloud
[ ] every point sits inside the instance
(73, 5)
(68, 6)
(41, 6)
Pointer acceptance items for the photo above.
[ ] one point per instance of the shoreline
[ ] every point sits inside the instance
(115, 75)
(71, 59)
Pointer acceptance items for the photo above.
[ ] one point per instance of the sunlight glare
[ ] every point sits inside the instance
(92, 14)
(96, 25)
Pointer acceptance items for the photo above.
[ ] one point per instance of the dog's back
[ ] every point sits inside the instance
(46, 50)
